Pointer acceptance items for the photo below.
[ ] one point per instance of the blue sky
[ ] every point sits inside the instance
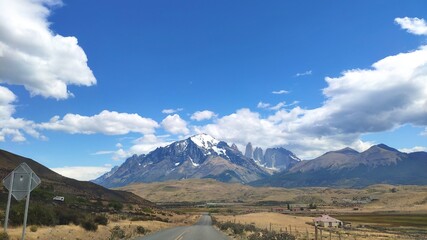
(84, 85)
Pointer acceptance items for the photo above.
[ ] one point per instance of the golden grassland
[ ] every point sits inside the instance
(402, 198)
(73, 232)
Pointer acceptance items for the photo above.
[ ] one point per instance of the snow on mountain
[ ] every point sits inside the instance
(199, 156)
(204, 141)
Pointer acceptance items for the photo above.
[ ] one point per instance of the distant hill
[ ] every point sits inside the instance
(59, 185)
(380, 164)
(199, 156)
(373, 198)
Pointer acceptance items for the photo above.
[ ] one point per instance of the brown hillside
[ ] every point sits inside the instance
(63, 185)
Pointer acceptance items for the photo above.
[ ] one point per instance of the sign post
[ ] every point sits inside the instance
(20, 182)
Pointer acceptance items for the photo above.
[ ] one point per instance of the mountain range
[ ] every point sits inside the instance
(202, 156)
(380, 164)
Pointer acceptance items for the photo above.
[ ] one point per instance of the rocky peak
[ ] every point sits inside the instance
(249, 151)
(258, 154)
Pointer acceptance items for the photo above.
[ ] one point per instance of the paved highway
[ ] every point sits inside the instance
(202, 230)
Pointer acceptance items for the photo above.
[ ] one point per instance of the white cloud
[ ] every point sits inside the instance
(280, 92)
(175, 124)
(309, 72)
(6, 99)
(263, 105)
(82, 173)
(390, 94)
(414, 149)
(35, 57)
(13, 128)
(415, 26)
(142, 145)
(103, 152)
(203, 115)
(276, 107)
(147, 144)
(170, 111)
(106, 122)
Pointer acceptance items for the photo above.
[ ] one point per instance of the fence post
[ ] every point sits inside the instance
(330, 234)
(315, 232)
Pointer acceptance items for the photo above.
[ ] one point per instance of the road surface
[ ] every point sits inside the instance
(202, 230)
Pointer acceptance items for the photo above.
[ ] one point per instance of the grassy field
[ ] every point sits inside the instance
(371, 199)
(301, 227)
(394, 220)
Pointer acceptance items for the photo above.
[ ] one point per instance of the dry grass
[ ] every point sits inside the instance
(73, 232)
(406, 198)
(299, 227)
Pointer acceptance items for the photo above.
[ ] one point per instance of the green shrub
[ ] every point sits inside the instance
(147, 210)
(4, 236)
(101, 219)
(66, 216)
(116, 206)
(89, 225)
(140, 230)
(33, 228)
(38, 214)
(41, 215)
(117, 233)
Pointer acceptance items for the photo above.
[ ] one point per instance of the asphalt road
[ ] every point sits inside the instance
(202, 230)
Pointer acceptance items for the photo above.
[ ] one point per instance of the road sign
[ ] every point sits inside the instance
(20, 182)
(17, 181)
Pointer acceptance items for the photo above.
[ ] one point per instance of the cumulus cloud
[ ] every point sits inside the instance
(10, 127)
(106, 122)
(35, 57)
(82, 173)
(170, 110)
(392, 93)
(280, 92)
(203, 115)
(6, 99)
(308, 72)
(415, 26)
(175, 124)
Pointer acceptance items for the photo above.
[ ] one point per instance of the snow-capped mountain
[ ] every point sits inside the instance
(200, 156)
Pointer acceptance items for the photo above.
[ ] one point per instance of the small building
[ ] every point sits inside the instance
(327, 221)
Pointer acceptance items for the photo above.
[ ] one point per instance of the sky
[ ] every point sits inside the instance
(84, 85)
